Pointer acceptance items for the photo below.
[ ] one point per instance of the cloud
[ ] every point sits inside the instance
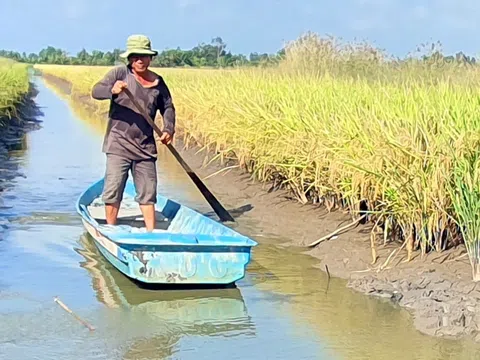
(186, 3)
(75, 10)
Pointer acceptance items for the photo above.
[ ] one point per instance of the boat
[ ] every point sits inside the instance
(181, 313)
(186, 247)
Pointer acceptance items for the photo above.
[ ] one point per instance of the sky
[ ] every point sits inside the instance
(246, 26)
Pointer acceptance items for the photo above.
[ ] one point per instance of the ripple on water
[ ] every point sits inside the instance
(46, 218)
(50, 333)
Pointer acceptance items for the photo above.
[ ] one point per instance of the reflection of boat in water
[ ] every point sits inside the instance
(209, 312)
(160, 347)
(185, 246)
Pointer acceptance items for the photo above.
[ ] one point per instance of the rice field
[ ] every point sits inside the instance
(14, 85)
(347, 129)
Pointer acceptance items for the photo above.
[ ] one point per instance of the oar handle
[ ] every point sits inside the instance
(143, 112)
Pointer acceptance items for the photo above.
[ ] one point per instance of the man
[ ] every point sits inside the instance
(129, 142)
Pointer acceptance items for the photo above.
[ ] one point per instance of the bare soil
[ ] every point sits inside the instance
(438, 289)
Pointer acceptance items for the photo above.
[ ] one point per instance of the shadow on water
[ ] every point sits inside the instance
(14, 138)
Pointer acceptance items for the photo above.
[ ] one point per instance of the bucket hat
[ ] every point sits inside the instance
(138, 44)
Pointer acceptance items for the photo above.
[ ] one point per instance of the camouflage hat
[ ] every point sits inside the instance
(138, 44)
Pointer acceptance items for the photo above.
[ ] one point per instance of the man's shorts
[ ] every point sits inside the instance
(144, 175)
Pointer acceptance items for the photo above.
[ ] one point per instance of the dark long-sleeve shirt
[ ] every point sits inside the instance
(128, 132)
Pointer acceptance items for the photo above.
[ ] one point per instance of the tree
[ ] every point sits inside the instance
(214, 54)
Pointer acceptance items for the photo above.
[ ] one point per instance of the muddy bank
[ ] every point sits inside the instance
(437, 290)
(12, 140)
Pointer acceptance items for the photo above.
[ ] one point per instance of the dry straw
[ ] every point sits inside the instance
(344, 125)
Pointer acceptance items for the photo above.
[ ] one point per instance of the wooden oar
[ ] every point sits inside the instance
(222, 213)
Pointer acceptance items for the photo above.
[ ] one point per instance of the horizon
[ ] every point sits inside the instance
(396, 28)
(228, 48)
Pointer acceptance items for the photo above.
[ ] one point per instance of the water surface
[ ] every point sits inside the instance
(285, 308)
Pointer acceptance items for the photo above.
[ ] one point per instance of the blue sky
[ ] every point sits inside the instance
(245, 25)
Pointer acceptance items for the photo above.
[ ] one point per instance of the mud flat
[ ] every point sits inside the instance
(437, 290)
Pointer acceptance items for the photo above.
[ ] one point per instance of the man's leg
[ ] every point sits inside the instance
(116, 175)
(145, 179)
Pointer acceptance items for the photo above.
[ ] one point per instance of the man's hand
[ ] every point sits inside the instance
(166, 138)
(118, 87)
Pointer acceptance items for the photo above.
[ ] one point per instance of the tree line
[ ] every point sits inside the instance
(214, 54)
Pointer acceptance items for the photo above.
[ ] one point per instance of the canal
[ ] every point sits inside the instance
(284, 308)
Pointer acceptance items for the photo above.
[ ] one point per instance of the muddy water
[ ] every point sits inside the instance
(285, 308)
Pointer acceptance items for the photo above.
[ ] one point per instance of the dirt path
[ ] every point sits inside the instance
(438, 290)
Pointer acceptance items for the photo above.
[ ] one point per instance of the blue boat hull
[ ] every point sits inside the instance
(192, 249)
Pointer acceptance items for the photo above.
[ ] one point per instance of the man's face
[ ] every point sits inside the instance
(140, 63)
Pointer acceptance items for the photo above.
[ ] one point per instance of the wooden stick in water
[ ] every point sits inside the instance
(328, 282)
(65, 307)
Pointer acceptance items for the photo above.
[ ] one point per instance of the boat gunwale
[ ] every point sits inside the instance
(159, 240)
